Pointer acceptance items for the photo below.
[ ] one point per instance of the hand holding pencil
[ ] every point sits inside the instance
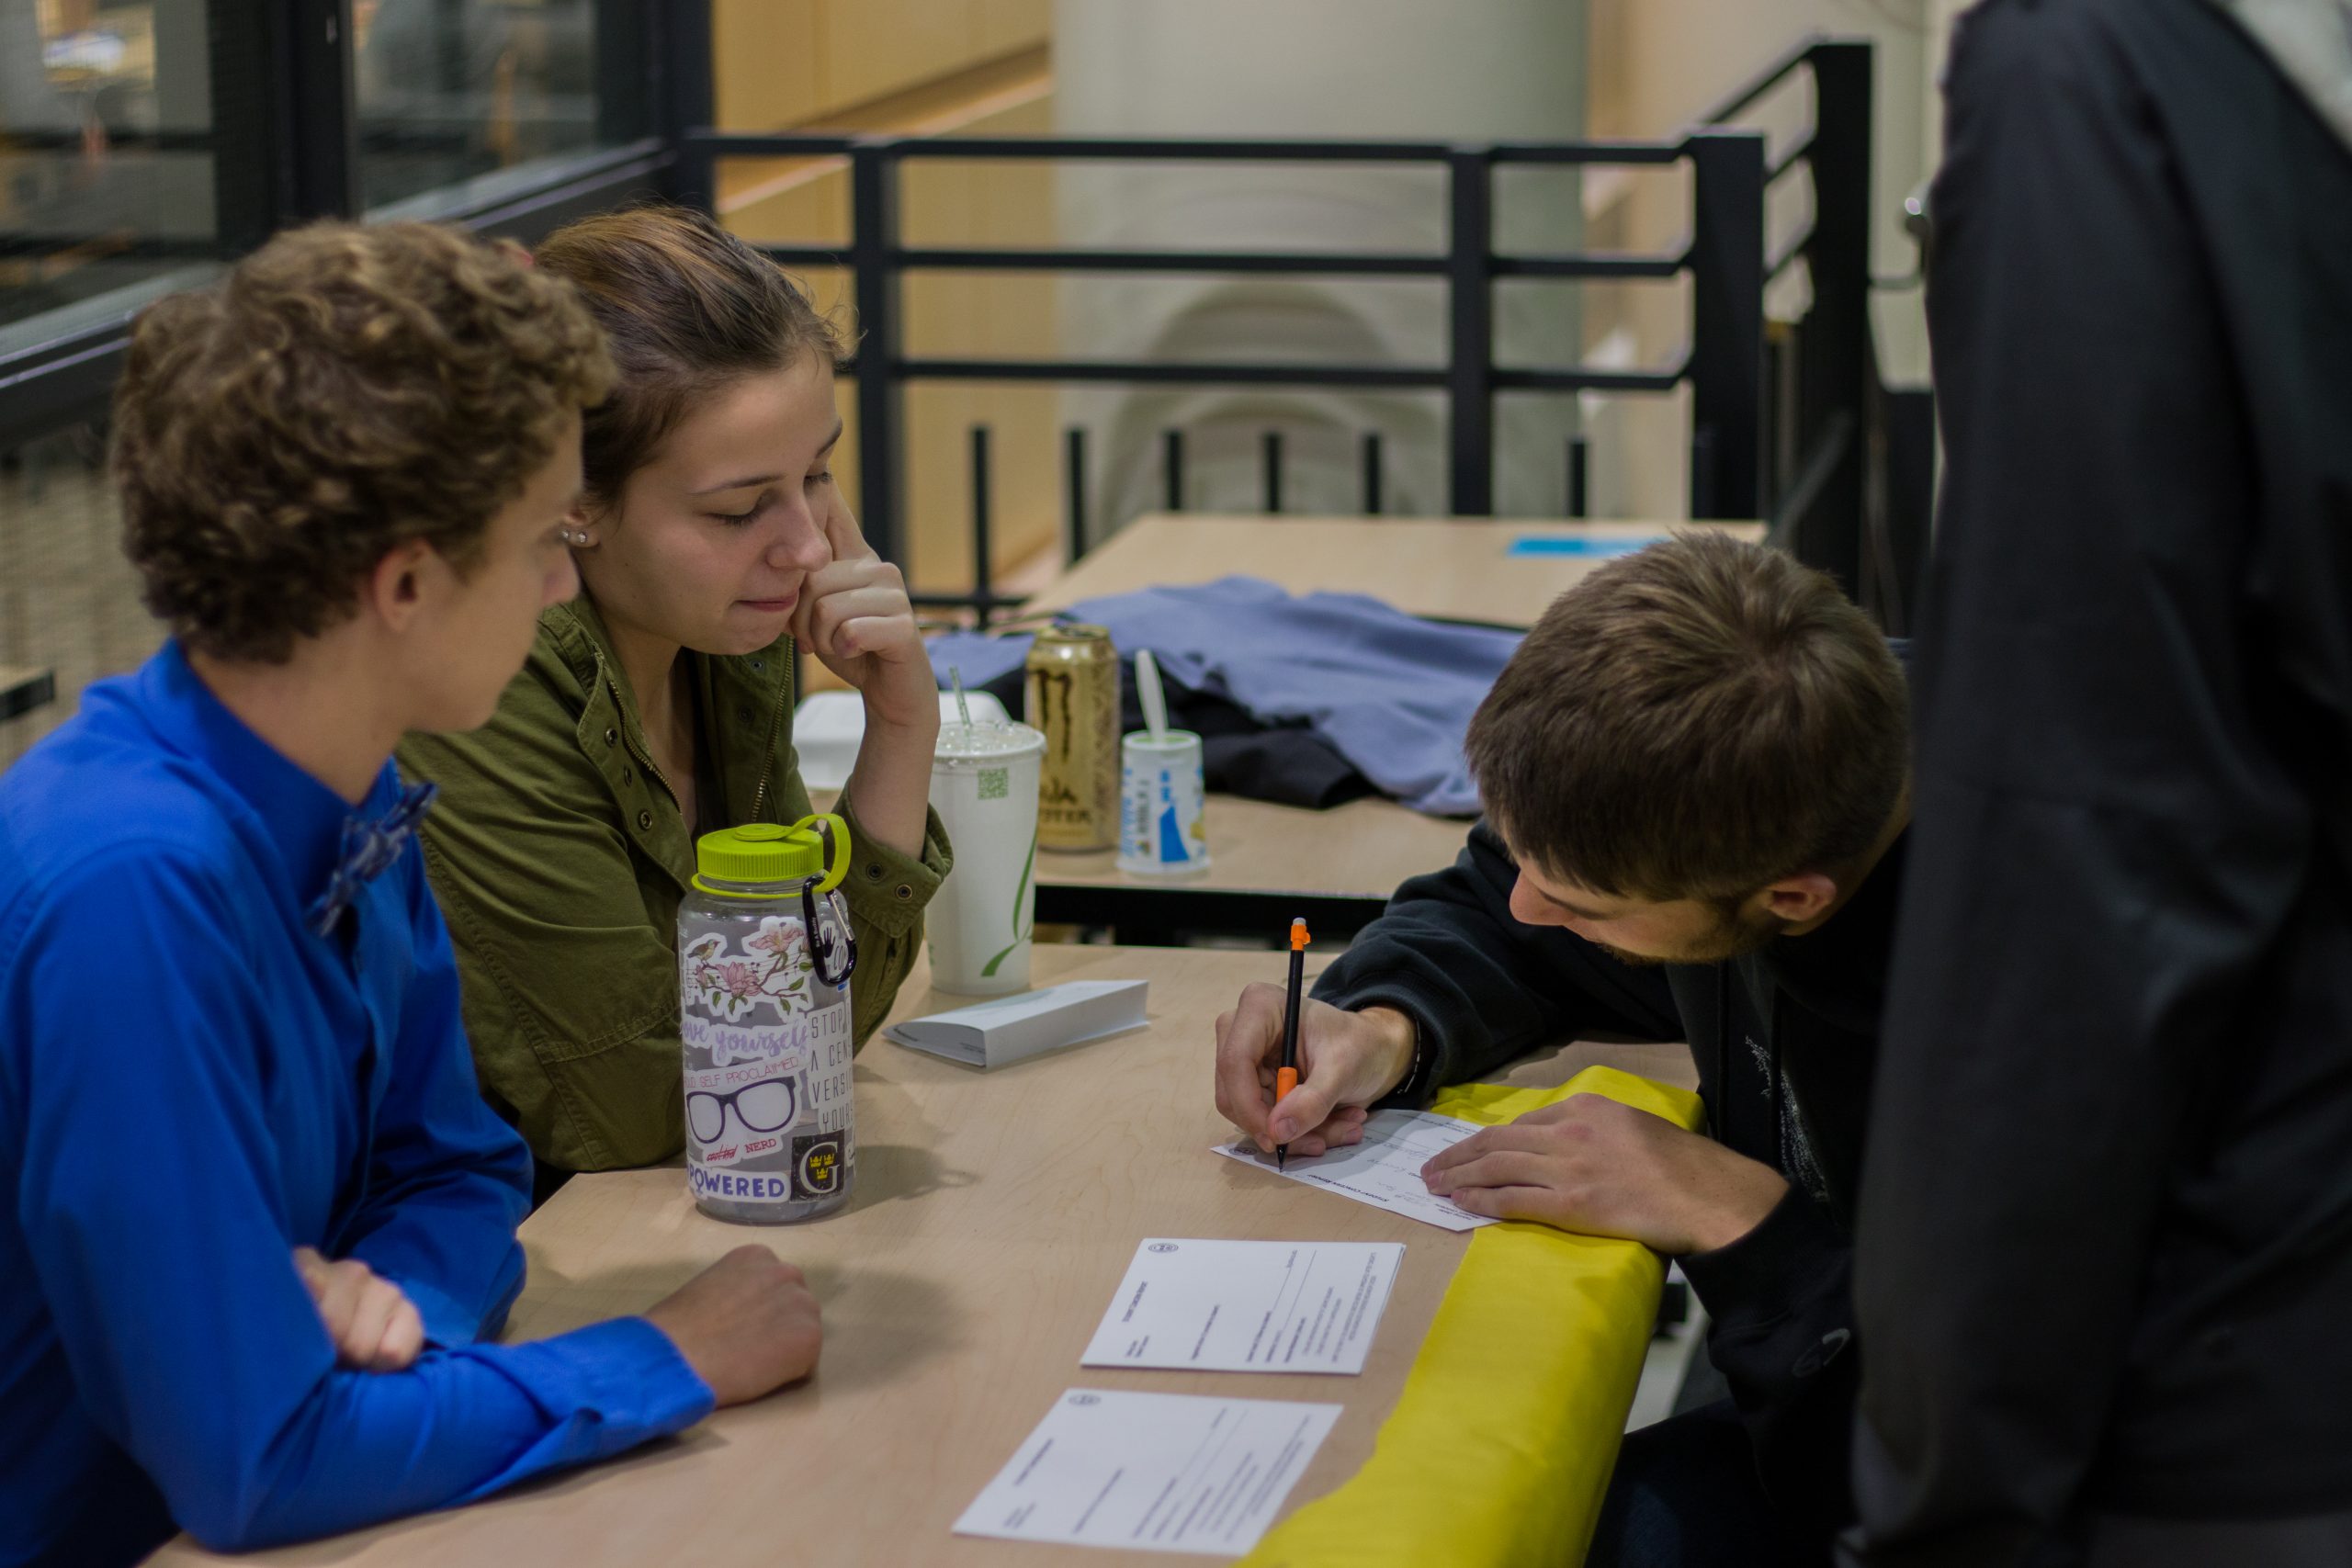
(1344, 1061)
(1286, 1076)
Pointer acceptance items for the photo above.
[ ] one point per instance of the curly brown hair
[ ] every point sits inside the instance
(343, 391)
(687, 308)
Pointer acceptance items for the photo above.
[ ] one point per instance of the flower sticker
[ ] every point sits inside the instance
(778, 938)
(772, 970)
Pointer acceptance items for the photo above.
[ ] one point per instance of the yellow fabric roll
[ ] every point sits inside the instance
(1501, 1444)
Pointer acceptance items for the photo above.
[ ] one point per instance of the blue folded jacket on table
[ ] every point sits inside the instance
(1389, 694)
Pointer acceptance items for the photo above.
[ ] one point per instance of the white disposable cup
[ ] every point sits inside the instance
(984, 786)
(1162, 797)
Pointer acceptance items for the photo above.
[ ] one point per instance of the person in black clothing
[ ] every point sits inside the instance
(1695, 777)
(2105, 1259)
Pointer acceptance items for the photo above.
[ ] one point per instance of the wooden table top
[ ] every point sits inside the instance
(1360, 849)
(993, 1217)
(1448, 569)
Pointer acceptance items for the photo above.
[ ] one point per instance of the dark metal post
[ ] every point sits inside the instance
(1372, 475)
(285, 137)
(1271, 468)
(684, 101)
(1703, 495)
(323, 150)
(1727, 321)
(1579, 468)
(981, 517)
(873, 237)
(631, 74)
(1904, 448)
(1470, 368)
(1782, 460)
(1172, 463)
(1833, 368)
(1075, 480)
(249, 123)
(449, 56)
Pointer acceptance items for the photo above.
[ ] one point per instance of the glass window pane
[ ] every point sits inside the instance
(106, 172)
(452, 89)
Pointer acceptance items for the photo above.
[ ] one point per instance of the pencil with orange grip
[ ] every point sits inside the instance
(1287, 1079)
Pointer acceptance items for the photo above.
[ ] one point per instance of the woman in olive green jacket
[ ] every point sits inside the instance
(658, 705)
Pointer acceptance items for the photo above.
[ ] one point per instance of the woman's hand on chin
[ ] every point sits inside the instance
(855, 615)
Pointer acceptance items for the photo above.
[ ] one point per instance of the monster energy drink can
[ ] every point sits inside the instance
(1073, 696)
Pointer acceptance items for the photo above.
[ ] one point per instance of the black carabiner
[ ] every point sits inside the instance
(840, 924)
(817, 944)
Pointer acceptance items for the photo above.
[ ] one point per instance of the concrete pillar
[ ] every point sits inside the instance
(1439, 70)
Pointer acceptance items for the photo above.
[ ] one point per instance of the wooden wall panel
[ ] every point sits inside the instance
(995, 314)
(764, 63)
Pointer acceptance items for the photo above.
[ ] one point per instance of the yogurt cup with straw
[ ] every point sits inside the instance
(1163, 791)
(984, 786)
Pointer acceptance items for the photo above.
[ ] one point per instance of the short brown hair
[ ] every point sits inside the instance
(1697, 719)
(687, 308)
(343, 391)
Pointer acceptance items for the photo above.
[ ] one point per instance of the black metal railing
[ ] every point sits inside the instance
(1794, 459)
(1818, 404)
(1781, 423)
(1723, 259)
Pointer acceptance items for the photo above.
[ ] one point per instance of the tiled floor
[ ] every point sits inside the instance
(68, 600)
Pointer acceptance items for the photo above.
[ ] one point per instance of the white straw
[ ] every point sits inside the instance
(963, 708)
(1155, 697)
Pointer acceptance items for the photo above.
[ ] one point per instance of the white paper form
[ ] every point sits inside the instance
(1384, 1170)
(1247, 1306)
(1158, 1471)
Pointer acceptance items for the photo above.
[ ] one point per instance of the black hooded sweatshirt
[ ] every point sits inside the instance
(1784, 1041)
(2106, 1241)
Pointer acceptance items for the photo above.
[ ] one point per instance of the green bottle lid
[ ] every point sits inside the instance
(770, 852)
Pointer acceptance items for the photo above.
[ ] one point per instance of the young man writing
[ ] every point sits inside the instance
(1694, 770)
(255, 1217)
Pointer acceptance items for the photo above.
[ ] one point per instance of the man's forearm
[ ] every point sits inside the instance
(1482, 987)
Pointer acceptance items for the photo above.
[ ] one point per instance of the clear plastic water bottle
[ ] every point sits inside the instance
(764, 955)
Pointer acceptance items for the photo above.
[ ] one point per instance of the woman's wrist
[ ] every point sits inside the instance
(917, 728)
(909, 719)
(889, 786)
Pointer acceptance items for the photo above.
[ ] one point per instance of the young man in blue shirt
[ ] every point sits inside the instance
(255, 1220)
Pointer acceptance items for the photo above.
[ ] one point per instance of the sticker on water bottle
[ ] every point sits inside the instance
(817, 1161)
(773, 969)
(739, 1113)
(795, 1087)
(767, 1119)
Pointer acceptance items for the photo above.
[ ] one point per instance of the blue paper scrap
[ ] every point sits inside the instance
(1534, 544)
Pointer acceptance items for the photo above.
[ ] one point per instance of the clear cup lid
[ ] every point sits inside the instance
(984, 739)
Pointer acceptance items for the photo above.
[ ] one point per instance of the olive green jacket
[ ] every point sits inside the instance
(559, 856)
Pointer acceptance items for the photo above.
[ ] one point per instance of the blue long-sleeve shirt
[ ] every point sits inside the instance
(193, 1084)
